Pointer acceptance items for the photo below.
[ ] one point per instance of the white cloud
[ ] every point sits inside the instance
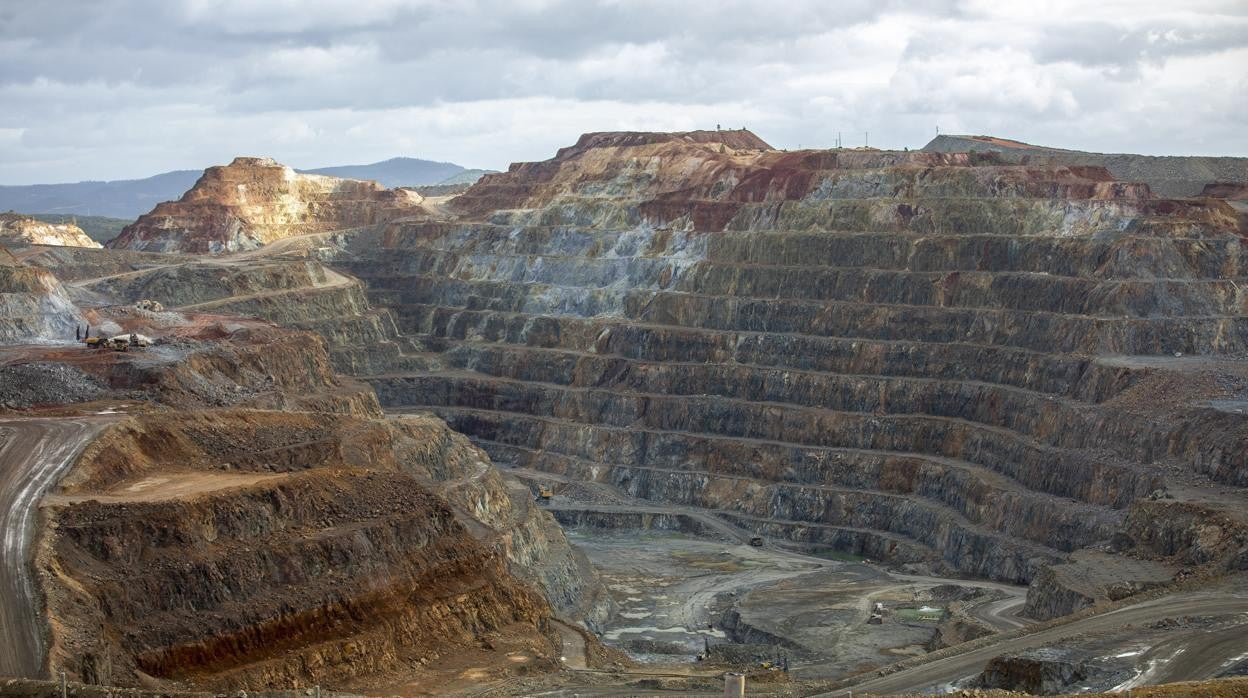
(127, 88)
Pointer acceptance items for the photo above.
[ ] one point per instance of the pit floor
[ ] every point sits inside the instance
(672, 591)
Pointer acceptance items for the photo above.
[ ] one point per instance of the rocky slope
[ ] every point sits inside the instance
(942, 359)
(34, 306)
(949, 362)
(265, 549)
(22, 230)
(295, 292)
(281, 530)
(255, 201)
(1167, 175)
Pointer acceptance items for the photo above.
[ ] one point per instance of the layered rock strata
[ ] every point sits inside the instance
(256, 201)
(928, 358)
(298, 536)
(266, 549)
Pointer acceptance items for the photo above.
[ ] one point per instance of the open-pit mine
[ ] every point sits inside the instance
(662, 409)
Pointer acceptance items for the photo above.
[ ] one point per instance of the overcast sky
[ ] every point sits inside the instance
(108, 89)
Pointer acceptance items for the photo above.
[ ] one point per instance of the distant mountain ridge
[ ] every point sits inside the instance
(122, 198)
(395, 172)
(131, 198)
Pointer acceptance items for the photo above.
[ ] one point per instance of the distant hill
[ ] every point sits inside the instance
(131, 198)
(1166, 175)
(404, 172)
(123, 198)
(466, 177)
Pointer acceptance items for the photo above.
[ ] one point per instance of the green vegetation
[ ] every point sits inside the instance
(836, 555)
(98, 228)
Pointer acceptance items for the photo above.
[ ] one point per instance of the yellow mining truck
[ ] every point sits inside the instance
(96, 342)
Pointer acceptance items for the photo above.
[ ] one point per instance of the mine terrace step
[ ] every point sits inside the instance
(1011, 407)
(610, 407)
(644, 445)
(910, 517)
(1020, 291)
(933, 252)
(1090, 300)
(419, 259)
(698, 442)
(1032, 329)
(640, 340)
(1084, 524)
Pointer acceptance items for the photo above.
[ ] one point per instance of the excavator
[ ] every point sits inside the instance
(544, 494)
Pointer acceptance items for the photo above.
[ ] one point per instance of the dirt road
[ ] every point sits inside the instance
(949, 669)
(34, 453)
(1001, 614)
(574, 654)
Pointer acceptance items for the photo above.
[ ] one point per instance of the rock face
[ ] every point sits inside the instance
(34, 306)
(1038, 672)
(266, 526)
(1090, 577)
(944, 360)
(21, 230)
(256, 201)
(297, 293)
(249, 549)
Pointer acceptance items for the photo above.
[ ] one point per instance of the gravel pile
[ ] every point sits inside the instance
(25, 385)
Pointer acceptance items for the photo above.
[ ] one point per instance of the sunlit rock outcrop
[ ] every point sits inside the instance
(255, 201)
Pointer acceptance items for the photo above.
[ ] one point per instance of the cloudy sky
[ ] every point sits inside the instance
(107, 89)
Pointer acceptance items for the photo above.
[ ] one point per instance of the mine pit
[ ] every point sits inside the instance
(836, 420)
(677, 595)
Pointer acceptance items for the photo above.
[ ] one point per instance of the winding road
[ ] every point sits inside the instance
(34, 454)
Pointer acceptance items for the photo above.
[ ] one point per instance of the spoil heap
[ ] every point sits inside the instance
(906, 356)
(255, 201)
(16, 229)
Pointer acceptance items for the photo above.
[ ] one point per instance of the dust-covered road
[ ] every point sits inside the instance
(1219, 647)
(34, 453)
